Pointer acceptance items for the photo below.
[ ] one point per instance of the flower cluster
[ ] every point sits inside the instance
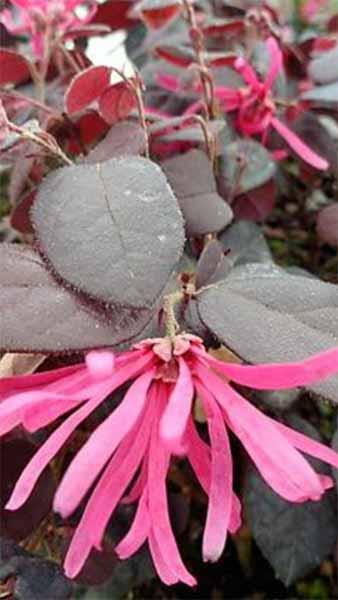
(254, 104)
(41, 19)
(127, 457)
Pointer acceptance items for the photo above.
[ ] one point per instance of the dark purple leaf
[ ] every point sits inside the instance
(245, 243)
(324, 96)
(212, 265)
(123, 139)
(257, 204)
(193, 182)
(99, 565)
(324, 69)
(317, 137)
(264, 314)
(112, 230)
(14, 456)
(38, 315)
(294, 537)
(32, 577)
(327, 225)
(244, 166)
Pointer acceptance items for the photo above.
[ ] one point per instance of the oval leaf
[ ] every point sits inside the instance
(264, 314)
(112, 230)
(38, 315)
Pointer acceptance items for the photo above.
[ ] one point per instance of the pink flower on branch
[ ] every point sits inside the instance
(127, 457)
(40, 19)
(255, 107)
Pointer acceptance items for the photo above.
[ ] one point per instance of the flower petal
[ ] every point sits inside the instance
(220, 491)
(280, 376)
(95, 453)
(299, 147)
(282, 467)
(276, 62)
(138, 532)
(176, 414)
(309, 446)
(106, 496)
(158, 504)
(56, 440)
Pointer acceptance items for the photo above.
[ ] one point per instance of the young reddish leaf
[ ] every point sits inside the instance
(157, 13)
(217, 27)
(38, 315)
(115, 14)
(86, 87)
(14, 68)
(89, 128)
(180, 56)
(20, 218)
(111, 230)
(116, 102)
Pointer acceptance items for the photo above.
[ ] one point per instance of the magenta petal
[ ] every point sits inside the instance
(235, 522)
(95, 453)
(158, 505)
(281, 376)
(309, 446)
(176, 414)
(282, 467)
(31, 382)
(199, 456)
(163, 570)
(106, 495)
(48, 450)
(248, 73)
(276, 62)
(138, 532)
(299, 147)
(220, 492)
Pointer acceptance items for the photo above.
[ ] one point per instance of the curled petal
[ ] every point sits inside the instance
(282, 467)
(220, 490)
(276, 62)
(176, 414)
(276, 376)
(95, 453)
(299, 147)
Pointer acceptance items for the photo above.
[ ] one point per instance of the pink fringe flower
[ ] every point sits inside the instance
(127, 457)
(254, 104)
(39, 18)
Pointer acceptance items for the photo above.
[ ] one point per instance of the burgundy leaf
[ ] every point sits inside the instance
(38, 315)
(192, 179)
(327, 225)
(112, 230)
(14, 68)
(116, 102)
(86, 87)
(123, 139)
(20, 218)
(157, 13)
